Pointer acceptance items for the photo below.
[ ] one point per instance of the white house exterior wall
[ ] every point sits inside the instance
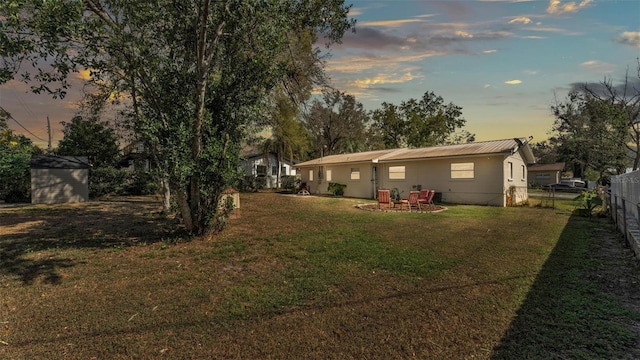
(341, 174)
(50, 186)
(435, 174)
(250, 167)
(489, 185)
(519, 180)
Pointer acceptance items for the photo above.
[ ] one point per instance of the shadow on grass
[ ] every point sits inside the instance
(33, 238)
(565, 315)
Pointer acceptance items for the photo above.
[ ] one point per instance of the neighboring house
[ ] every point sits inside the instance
(59, 179)
(259, 165)
(545, 174)
(488, 172)
(134, 157)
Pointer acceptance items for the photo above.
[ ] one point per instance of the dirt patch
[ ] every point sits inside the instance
(398, 208)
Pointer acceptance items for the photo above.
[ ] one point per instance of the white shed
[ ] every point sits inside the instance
(59, 179)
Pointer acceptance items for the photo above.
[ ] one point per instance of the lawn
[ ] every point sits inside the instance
(313, 277)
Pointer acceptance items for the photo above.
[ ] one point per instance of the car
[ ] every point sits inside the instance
(563, 187)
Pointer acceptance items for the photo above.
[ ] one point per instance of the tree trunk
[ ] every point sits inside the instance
(183, 204)
(166, 193)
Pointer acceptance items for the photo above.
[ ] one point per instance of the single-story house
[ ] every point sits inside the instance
(487, 172)
(545, 174)
(59, 179)
(258, 165)
(134, 157)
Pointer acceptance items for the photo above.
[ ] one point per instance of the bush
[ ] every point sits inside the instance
(111, 181)
(336, 189)
(15, 177)
(288, 181)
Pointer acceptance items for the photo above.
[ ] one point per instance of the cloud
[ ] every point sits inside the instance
(630, 38)
(381, 79)
(463, 34)
(531, 72)
(486, 86)
(513, 82)
(356, 64)
(390, 23)
(598, 66)
(557, 7)
(490, 51)
(520, 19)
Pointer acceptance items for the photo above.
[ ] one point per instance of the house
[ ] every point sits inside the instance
(544, 174)
(59, 179)
(266, 166)
(488, 172)
(134, 157)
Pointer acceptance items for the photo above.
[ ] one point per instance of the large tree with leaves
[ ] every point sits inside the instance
(90, 137)
(591, 134)
(428, 121)
(338, 123)
(194, 70)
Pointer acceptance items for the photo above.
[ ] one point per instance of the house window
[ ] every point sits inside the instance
(328, 175)
(396, 173)
(355, 173)
(310, 175)
(543, 176)
(261, 170)
(274, 170)
(524, 172)
(510, 171)
(462, 170)
(283, 171)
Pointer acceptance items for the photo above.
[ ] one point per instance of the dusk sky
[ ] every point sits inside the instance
(503, 62)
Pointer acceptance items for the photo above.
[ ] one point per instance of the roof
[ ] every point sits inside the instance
(547, 167)
(59, 162)
(505, 146)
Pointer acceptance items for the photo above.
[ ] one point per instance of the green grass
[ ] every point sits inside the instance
(306, 277)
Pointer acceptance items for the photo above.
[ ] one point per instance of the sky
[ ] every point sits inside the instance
(504, 62)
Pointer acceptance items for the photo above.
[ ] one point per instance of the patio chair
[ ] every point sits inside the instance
(384, 198)
(426, 198)
(412, 201)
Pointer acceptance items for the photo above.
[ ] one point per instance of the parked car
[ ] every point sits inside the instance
(563, 187)
(574, 182)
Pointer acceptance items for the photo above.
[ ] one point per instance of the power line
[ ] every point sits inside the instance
(25, 129)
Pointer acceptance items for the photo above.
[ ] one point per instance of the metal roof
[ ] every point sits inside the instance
(59, 162)
(477, 148)
(547, 167)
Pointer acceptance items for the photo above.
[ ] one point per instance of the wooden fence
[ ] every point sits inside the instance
(624, 202)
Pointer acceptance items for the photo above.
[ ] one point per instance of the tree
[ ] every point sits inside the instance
(389, 126)
(90, 137)
(15, 156)
(338, 123)
(419, 123)
(622, 103)
(591, 133)
(195, 70)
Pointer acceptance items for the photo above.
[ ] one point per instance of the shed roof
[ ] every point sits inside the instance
(477, 148)
(559, 166)
(59, 162)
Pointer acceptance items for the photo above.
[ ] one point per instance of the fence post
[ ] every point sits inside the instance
(615, 209)
(624, 218)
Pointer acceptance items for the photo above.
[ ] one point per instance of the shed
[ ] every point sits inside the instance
(545, 174)
(486, 172)
(59, 179)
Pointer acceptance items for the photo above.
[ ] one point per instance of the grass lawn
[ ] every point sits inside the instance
(313, 277)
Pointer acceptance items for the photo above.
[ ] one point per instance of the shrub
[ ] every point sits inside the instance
(111, 181)
(15, 177)
(336, 189)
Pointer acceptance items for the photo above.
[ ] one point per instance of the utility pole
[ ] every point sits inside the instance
(50, 135)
